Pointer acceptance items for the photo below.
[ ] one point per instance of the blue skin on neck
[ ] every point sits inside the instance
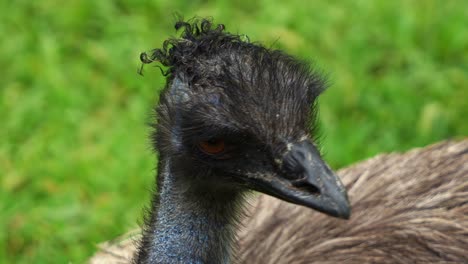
(191, 228)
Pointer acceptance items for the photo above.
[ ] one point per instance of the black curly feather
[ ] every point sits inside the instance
(198, 36)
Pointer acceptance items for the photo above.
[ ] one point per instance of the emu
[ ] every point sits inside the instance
(235, 117)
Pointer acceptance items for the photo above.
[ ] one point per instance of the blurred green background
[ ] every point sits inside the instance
(76, 165)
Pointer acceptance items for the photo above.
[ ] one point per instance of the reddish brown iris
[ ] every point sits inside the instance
(212, 146)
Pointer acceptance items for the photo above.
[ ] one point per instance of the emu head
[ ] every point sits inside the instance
(236, 116)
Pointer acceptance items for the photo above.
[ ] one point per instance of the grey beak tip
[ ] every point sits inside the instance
(344, 208)
(345, 213)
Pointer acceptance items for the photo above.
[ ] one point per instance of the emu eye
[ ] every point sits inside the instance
(212, 146)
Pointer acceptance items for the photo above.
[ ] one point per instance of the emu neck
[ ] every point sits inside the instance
(193, 225)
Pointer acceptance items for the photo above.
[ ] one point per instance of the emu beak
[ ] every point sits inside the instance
(307, 180)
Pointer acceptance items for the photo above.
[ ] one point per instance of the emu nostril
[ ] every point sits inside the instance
(309, 189)
(305, 186)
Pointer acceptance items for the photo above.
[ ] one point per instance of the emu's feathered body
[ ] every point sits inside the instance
(407, 208)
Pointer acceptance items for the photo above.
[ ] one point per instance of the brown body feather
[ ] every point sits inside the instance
(407, 208)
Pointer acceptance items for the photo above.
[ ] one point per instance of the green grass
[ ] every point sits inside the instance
(75, 160)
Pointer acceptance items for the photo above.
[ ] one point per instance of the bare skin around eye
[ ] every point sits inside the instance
(215, 146)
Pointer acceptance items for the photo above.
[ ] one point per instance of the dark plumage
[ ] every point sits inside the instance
(254, 104)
